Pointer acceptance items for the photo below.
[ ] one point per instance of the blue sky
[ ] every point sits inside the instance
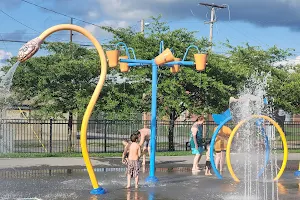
(262, 23)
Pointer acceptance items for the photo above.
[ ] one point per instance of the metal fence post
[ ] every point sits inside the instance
(50, 139)
(105, 135)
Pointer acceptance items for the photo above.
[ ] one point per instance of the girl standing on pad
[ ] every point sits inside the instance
(196, 141)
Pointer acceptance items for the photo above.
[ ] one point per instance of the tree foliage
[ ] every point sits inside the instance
(64, 80)
(285, 90)
(190, 90)
(59, 82)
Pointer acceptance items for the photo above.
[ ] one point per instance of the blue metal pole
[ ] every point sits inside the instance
(212, 147)
(267, 153)
(151, 196)
(136, 61)
(125, 46)
(187, 63)
(137, 65)
(133, 53)
(152, 177)
(161, 47)
(187, 50)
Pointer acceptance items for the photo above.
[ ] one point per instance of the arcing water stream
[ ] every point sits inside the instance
(6, 136)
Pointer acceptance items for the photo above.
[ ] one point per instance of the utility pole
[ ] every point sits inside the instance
(71, 33)
(71, 38)
(213, 19)
(70, 121)
(143, 26)
(144, 95)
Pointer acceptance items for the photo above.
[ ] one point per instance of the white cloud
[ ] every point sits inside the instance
(265, 13)
(289, 62)
(127, 10)
(93, 14)
(102, 34)
(291, 2)
(4, 56)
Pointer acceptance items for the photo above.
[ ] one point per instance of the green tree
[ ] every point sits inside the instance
(60, 82)
(284, 89)
(64, 80)
(190, 90)
(187, 90)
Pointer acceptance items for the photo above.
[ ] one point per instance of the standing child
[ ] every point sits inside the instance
(133, 164)
(221, 146)
(126, 144)
(207, 164)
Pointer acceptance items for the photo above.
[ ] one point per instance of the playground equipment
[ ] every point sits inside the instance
(297, 173)
(285, 149)
(165, 58)
(224, 118)
(31, 47)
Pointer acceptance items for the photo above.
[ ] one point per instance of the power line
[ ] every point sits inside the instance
(61, 13)
(23, 41)
(86, 45)
(258, 41)
(15, 33)
(18, 21)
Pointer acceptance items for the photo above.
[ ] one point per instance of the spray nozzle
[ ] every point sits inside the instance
(29, 49)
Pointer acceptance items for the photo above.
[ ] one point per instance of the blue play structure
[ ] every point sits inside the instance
(221, 120)
(133, 62)
(297, 173)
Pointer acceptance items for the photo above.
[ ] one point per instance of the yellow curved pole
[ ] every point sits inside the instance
(285, 148)
(91, 105)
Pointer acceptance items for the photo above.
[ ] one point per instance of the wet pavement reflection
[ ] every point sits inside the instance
(174, 183)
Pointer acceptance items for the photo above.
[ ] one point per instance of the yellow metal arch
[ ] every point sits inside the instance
(91, 105)
(285, 148)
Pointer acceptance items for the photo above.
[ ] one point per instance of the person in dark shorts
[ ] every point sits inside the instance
(207, 163)
(144, 136)
(133, 162)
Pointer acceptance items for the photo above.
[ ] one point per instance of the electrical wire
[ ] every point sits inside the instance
(25, 24)
(61, 13)
(22, 41)
(229, 12)
(18, 21)
(258, 41)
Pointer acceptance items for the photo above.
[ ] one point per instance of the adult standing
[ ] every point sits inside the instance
(196, 141)
(144, 135)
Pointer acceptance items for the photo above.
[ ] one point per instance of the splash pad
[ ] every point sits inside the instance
(224, 118)
(252, 144)
(165, 58)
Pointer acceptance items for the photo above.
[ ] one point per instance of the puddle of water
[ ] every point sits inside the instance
(173, 184)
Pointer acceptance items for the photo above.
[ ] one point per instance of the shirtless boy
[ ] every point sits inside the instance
(133, 163)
